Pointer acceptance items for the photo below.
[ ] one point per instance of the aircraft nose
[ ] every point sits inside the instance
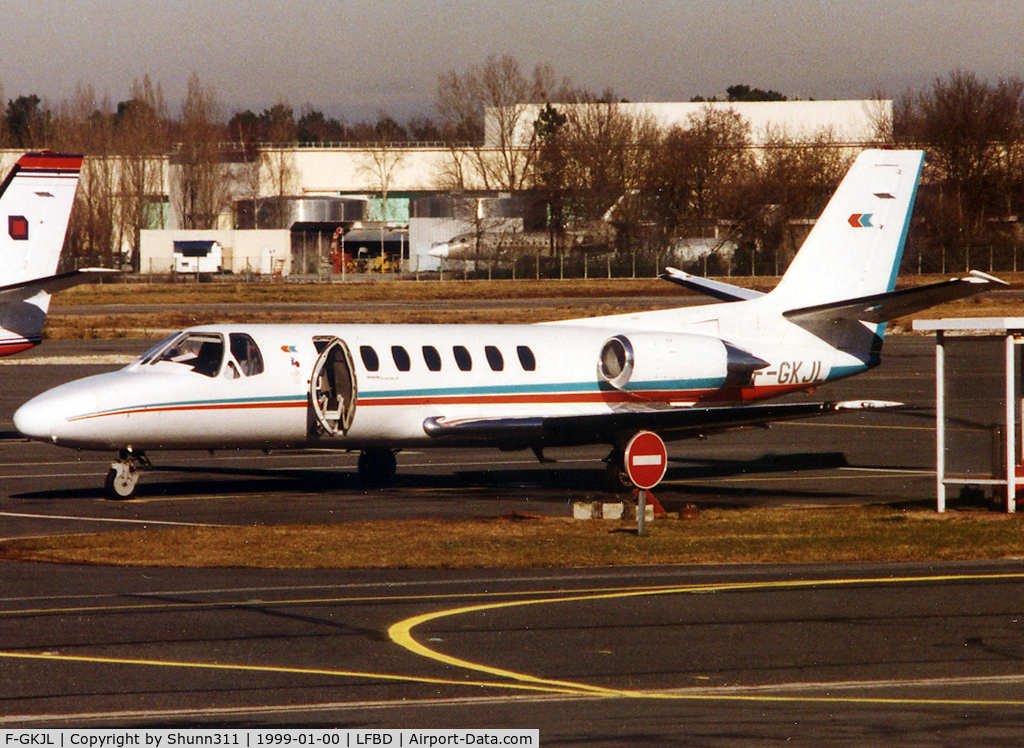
(440, 250)
(46, 417)
(38, 419)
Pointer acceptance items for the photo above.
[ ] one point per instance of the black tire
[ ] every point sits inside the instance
(616, 478)
(377, 467)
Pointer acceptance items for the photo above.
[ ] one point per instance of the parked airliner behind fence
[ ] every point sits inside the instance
(35, 206)
(379, 388)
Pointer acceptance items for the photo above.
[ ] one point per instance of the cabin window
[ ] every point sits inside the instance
(401, 357)
(431, 358)
(246, 353)
(494, 358)
(369, 356)
(203, 353)
(526, 359)
(462, 358)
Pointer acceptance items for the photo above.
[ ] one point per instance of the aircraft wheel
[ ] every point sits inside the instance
(616, 478)
(121, 482)
(377, 467)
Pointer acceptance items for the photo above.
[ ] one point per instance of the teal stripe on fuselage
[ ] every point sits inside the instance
(841, 372)
(543, 389)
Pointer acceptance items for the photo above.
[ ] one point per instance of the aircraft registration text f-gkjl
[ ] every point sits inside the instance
(380, 388)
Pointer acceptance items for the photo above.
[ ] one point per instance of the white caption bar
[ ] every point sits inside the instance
(342, 738)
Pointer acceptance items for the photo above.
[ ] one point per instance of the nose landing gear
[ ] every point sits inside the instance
(123, 476)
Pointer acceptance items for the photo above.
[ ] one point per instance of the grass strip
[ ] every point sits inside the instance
(718, 536)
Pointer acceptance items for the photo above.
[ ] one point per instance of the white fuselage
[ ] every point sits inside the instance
(403, 375)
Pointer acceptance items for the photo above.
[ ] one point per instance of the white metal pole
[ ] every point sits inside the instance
(940, 422)
(1011, 428)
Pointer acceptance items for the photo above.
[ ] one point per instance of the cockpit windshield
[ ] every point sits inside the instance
(202, 352)
(149, 355)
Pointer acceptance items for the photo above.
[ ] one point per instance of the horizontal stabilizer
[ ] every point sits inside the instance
(52, 283)
(887, 306)
(714, 289)
(669, 423)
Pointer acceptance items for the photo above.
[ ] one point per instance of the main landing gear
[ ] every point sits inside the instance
(377, 467)
(616, 478)
(123, 476)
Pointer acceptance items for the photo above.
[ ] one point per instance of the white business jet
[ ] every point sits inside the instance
(35, 205)
(380, 388)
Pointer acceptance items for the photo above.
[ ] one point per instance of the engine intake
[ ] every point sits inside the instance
(674, 361)
(616, 362)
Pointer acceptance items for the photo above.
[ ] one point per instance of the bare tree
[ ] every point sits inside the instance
(485, 106)
(700, 162)
(86, 126)
(790, 186)
(880, 112)
(279, 161)
(382, 162)
(972, 130)
(608, 150)
(141, 127)
(202, 174)
(691, 181)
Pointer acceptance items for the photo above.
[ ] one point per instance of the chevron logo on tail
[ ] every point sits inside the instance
(861, 220)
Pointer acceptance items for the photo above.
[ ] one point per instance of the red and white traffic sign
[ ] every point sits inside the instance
(646, 459)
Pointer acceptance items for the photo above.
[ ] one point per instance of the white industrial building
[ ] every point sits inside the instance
(856, 122)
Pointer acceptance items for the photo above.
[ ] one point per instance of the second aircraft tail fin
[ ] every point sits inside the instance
(36, 199)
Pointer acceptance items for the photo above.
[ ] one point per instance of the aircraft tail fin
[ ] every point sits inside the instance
(36, 199)
(855, 248)
(840, 286)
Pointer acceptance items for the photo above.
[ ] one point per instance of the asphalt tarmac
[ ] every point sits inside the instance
(864, 655)
(839, 655)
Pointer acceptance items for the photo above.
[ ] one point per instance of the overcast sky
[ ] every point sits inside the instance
(351, 58)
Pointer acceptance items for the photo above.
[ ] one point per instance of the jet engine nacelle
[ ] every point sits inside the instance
(638, 360)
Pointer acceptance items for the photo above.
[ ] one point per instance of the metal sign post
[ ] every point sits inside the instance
(646, 460)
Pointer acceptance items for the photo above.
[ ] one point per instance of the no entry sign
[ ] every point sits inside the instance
(646, 459)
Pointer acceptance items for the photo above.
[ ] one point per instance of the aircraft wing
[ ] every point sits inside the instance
(708, 287)
(886, 306)
(52, 283)
(608, 428)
